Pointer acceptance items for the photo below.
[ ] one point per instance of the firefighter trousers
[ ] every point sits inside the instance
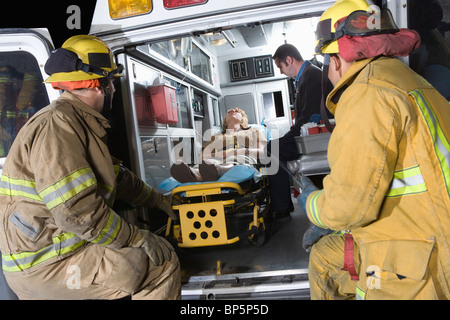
(329, 282)
(97, 272)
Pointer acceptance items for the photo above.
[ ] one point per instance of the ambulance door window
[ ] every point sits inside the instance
(176, 50)
(216, 114)
(184, 116)
(155, 154)
(273, 104)
(200, 64)
(22, 94)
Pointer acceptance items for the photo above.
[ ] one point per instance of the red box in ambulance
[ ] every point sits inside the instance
(164, 101)
(144, 109)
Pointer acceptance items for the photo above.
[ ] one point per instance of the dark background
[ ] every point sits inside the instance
(47, 14)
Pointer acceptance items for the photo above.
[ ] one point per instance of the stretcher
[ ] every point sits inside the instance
(206, 209)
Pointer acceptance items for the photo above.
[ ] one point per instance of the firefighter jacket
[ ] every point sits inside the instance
(58, 186)
(390, 170)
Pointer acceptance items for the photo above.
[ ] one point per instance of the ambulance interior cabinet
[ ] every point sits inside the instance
(164, 102)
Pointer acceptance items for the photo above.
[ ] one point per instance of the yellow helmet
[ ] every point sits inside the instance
(357, 15)
(81, 57)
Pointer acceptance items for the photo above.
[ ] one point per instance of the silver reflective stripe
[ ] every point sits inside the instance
(109, 232)
(407, 181)
(17, 187)
(69, 186)
(62, 244)
(23, 225)
(441, 143)
(17, 263)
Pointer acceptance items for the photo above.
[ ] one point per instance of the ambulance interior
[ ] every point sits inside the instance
(211, 72)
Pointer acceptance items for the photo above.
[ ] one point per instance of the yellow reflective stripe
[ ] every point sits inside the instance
(144, 195)
(18, 113)
(110, 230)
(441, 144)
(30, 77)
(68, 187)
(62, 244)
(116, 170)
(340, 233)
(18, 188)
(360, 294)
(407, 181)
(314, 210)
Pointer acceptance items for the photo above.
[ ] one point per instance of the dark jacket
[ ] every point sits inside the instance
(308, 96)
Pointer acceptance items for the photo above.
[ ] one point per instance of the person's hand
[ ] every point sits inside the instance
(165, 203)
(157, 248)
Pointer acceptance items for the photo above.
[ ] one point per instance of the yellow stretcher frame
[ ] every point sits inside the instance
(203, 223)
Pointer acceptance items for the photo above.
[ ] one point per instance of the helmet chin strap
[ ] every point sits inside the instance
(107, 100)
(323, 111)
(107, 105)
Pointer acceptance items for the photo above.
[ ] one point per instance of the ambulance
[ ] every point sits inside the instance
(186, 62)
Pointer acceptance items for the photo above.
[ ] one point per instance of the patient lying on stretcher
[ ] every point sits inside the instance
(237, 144)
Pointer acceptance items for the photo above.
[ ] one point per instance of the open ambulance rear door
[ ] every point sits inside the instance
(23, 53)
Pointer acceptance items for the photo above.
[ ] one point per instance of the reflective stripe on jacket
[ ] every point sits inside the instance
(58, 186)
(390, 179)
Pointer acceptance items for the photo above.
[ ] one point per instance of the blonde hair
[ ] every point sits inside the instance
(244, 122)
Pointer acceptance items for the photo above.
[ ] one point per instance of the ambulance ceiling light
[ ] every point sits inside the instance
(219, 38)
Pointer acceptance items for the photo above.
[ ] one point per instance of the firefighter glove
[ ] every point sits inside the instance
(157, 248)
(312, 235)
(165, 203)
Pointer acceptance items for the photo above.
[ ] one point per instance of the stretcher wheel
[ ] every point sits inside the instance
(258, 237)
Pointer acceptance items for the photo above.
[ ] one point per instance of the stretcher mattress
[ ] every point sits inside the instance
(237, 174)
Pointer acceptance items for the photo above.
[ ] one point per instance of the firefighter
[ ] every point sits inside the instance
(60, 237)
(387, 197)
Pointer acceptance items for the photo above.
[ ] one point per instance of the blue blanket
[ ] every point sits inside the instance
(236, 174)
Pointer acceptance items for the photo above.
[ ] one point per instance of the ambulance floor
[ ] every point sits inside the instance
(282, 251)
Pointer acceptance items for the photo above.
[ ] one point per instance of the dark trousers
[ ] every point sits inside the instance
(279, 183)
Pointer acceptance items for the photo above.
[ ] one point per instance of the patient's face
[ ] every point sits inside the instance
(233, 116)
